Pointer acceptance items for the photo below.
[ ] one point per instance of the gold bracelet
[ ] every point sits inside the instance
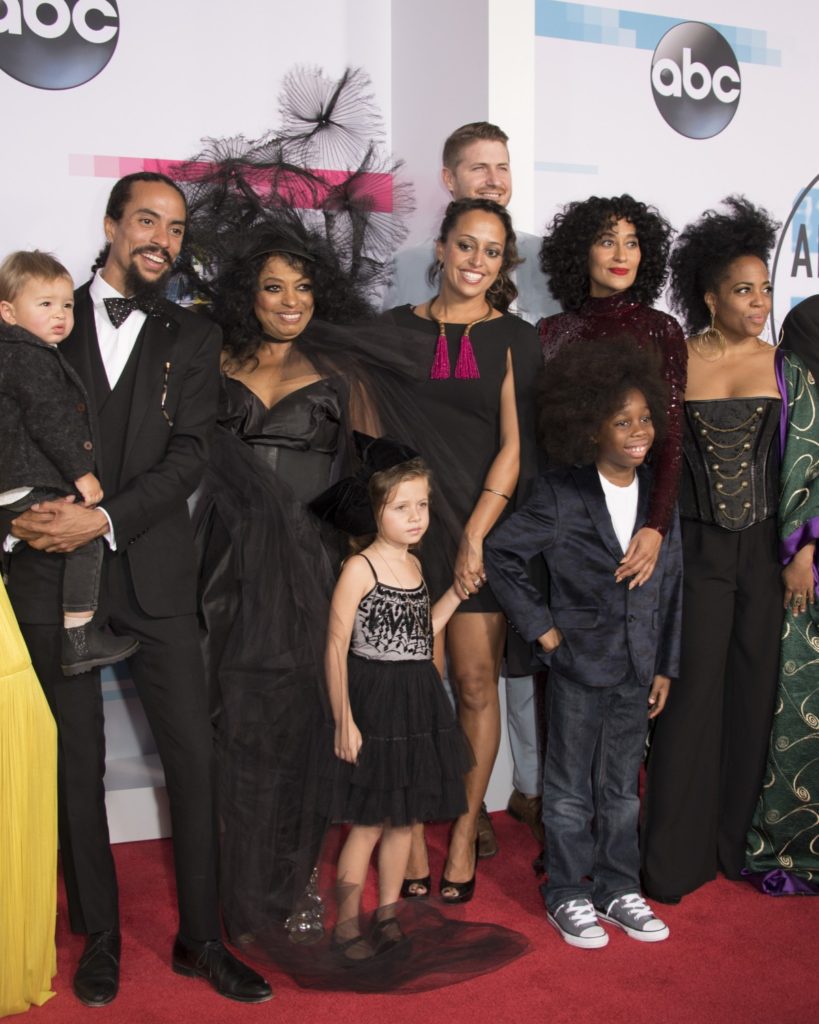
(500, 494)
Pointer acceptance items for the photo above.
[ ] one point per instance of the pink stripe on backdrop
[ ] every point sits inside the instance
(376, 189)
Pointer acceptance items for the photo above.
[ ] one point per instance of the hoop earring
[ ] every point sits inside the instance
(710, 337)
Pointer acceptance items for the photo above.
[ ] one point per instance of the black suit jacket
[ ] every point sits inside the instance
(161, 464)
(608, 630)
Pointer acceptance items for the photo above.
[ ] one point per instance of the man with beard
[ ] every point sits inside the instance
(151, 371)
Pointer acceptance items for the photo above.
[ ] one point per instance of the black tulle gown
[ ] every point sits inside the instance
(266, 582)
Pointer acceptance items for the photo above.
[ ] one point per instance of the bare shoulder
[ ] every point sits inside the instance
(357, 572)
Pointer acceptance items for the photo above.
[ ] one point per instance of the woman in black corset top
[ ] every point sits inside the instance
(708, 753)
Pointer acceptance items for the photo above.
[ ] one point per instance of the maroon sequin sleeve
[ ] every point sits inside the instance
(614, 317)
(667, 469)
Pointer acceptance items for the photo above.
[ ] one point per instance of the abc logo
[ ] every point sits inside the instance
(57, 44)
(695, 80)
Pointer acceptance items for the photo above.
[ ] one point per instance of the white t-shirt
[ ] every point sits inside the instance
(622, 505)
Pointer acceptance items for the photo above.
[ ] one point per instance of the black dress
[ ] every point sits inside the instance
(414, 754)
(266, 579)
(466, 416)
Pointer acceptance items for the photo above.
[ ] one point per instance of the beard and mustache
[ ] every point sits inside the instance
(137, 287)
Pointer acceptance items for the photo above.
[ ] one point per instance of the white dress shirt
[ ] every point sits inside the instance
(622, 505)
(116, 343)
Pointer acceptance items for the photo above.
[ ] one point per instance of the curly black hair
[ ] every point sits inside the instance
(337, 300)
(503, 291)
(564, 252)
(583, 385)
(705, 249)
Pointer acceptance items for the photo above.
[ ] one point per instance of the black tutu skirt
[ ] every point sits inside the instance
(414, 753)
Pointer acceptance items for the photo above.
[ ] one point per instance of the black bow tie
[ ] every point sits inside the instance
(119, 310)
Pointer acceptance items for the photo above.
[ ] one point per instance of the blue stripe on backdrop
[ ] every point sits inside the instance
(589, 24)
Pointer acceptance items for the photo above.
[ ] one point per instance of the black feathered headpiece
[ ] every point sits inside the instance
(323, 174)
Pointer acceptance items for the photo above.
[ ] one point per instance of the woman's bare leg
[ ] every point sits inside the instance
(475, 644)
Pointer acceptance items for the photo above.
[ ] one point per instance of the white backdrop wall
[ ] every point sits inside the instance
(571, 84)
(595, 127)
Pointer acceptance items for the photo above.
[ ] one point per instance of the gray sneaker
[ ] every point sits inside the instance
(635, 917)
(576, 920)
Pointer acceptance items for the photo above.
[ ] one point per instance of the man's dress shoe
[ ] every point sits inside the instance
(96, 980)
(487, 841)
(529, 810)
(229, 976)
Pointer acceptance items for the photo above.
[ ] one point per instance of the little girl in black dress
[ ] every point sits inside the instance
(404, 752)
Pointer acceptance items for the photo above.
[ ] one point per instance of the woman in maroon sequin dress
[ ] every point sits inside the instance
(606, 259)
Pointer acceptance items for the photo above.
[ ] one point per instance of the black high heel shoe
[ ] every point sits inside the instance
(464, 891)
(408, 893)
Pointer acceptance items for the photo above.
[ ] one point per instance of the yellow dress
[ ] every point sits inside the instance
(28, 826)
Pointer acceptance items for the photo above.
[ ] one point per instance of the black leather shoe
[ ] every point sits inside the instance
(96, 981)
(229, 976)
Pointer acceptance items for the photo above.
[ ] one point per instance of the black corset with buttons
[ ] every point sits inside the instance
(731, 461)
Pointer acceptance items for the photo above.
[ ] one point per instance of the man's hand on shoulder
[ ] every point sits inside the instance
(59, 526)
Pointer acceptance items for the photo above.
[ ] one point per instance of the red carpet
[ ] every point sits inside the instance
(733, 956)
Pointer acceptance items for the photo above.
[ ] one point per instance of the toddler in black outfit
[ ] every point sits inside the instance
(46, 427)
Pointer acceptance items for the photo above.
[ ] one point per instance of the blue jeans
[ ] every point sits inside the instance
(594, 746)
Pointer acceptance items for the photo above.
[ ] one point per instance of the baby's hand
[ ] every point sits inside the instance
(90, 489)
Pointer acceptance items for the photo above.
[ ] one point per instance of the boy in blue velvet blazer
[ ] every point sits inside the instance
(612, 644)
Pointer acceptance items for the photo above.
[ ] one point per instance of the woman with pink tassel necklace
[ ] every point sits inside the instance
(479, 396)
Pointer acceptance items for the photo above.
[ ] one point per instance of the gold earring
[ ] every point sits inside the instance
(711, 336)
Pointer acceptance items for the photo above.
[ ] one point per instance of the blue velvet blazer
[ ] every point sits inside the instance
(608, 630)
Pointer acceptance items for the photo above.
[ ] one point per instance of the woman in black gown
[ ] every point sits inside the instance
(477, 394)
(267, 569)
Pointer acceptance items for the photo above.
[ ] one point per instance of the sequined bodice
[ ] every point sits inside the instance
(392, 624)
(731, 474)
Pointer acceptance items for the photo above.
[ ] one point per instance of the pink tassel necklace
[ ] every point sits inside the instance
(466, 368)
